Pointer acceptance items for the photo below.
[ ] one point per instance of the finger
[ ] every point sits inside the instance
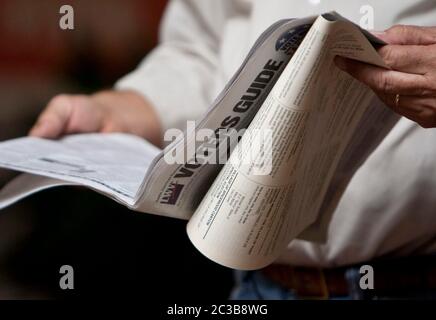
(51, 123)
(387, 81)
(69, 114)
(86, 115)
(405, 103)
(409, 59)
(408, 35)
(419, 109)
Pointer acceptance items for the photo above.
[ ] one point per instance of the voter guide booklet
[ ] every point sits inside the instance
(324, 124)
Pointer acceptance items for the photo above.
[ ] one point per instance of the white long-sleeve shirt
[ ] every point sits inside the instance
(389, 207)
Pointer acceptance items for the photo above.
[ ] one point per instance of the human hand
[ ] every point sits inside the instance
(106, 111)
(409, 88)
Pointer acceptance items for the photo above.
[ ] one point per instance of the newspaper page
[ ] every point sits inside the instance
(246, 220)
(27, 184)
(374, 125)
(113, 164)
(176, 189)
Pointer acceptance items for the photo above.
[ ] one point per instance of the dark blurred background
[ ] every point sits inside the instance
(114, 252)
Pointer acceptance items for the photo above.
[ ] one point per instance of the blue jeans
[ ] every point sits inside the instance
(253, 285)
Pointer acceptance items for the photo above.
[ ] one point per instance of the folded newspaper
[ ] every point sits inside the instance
(242, 214)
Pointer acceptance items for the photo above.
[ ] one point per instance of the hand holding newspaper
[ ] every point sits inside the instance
(242, 214)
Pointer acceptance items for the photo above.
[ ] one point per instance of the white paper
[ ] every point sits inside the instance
(114, 164)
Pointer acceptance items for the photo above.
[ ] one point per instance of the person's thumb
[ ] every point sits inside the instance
(407, 35)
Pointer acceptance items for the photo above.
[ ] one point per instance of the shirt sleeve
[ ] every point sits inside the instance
(177, 77)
